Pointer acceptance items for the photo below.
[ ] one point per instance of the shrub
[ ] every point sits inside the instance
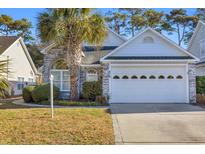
(200, 85)
(27, 93)
(42, 92)
(200, 98)
(101, 99)
(91, 89)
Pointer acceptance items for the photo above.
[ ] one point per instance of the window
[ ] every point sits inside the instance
(134, 77)
(91, 75)
(148, 40)
(65, 80)
(31, 73)
(152, 77)
(179, 77)
(20, 84)
(143, 77)
(161, 77)
(56, 78)
(202, 48)
(125, 77)
(170, 77)
(30, 80)
(61, 79)
(116, 77)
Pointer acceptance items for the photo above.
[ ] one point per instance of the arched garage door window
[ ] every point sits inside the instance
(125, 77)
(116, 77)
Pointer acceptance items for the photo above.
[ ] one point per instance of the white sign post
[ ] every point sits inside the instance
(51, 94)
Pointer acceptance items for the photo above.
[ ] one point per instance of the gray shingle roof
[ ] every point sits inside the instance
(93, 57)
(93, 48)
(199, 63)
(148, 57)
(6, 41)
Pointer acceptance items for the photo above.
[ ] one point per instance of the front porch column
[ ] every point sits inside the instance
(192, 83)
(105, 83)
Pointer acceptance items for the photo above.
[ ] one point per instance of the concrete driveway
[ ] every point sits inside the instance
(158, 123)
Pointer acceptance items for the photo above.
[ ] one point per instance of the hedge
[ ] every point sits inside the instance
(91, 89)
(42, 92)
(27, 93)
(200, 85)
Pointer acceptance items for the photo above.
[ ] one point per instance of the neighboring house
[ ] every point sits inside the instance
(21, 67)
(149, 68)
(197, 47)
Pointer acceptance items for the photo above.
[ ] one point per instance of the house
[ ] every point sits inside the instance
(197, 47)
(21, 67)
(91, 69)
(149, 68)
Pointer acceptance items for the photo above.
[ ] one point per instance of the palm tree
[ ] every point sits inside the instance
(71, 28)
(4, 86)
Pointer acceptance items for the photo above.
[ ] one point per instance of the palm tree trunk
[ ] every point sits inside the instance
(74, 71)
(74, 60)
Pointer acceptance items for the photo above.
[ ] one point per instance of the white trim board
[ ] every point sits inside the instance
(158, 34)
(185, 64)
(165, 60)
(28, 56)
(11, 45)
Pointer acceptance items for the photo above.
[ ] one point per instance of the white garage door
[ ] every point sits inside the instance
(148, 84)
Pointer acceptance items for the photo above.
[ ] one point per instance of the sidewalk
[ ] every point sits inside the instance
(11, 99)
(21, 102)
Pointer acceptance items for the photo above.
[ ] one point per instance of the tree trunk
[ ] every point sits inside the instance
(74, 56)
(74, 72)
(133, 33)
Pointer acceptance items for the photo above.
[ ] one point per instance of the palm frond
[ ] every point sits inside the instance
(4, 85)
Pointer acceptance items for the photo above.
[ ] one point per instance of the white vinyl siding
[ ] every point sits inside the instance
(19, 64)
(61, 79)
(202, 48)
(158, 47)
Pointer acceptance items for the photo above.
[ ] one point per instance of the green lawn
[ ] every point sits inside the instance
(21, 125)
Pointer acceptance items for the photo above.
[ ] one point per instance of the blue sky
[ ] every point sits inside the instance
(31, 14)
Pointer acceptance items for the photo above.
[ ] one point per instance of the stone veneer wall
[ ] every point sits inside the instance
(105, 80)
(192, 83)
(49, 59)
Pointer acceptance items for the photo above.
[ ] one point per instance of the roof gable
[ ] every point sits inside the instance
(149, 43)
(200, 25)
(112, 39)
(6, 42)
(10, 41)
